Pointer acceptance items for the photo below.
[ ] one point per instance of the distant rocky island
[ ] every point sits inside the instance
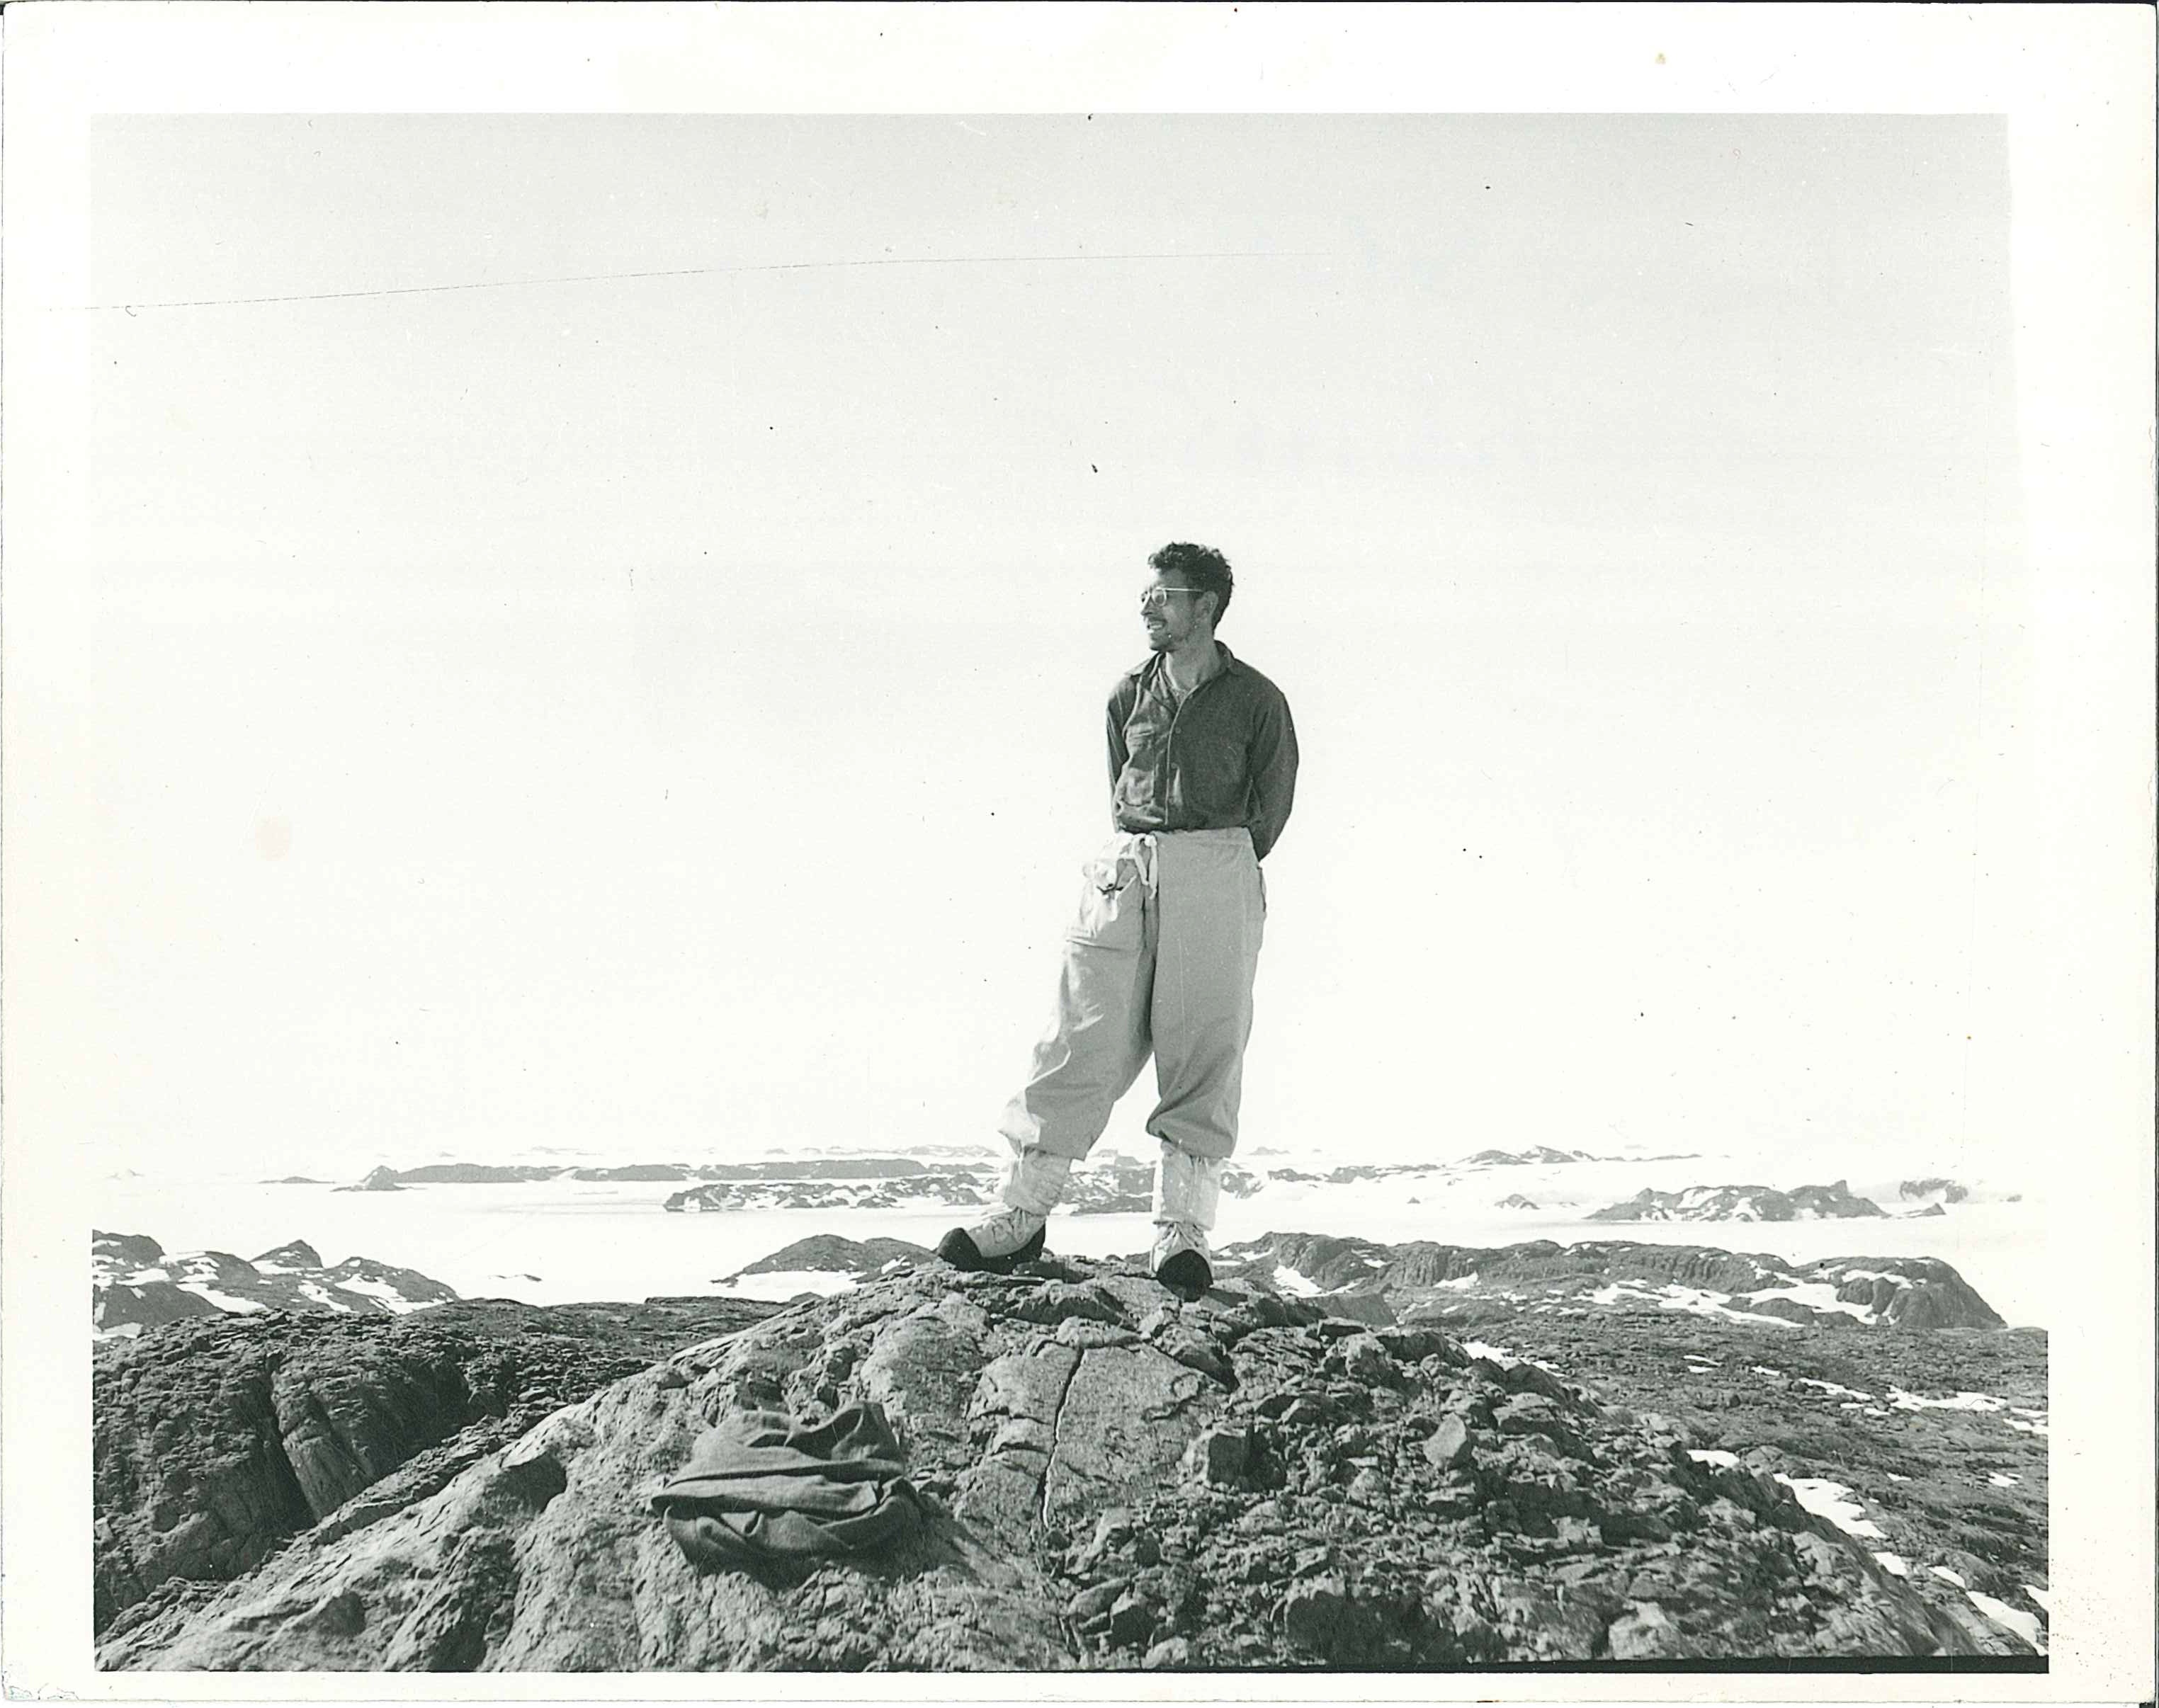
(1741, 1203)
(1537, 1156)
(384, 1178)
(136, 1284)
(1111, 1185)
(960, 1184)
(1348, 1455)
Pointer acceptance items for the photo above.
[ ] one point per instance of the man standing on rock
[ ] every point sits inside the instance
(1161, 957)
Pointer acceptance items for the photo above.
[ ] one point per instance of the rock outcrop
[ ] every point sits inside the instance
(1935, 1187)
(830, 1253)
(476, 1173)
(1115, 1480)
(135, 1284)
(642, 1172)
(961, 1185)
(1422, 1277)
(216, 1442)
(1740, 1203)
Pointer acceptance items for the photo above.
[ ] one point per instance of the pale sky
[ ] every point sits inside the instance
(662, 716)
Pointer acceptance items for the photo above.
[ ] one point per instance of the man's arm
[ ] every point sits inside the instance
(1273, 758)
(1118, 750)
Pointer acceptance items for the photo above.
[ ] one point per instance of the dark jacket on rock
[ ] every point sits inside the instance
(764, 1486)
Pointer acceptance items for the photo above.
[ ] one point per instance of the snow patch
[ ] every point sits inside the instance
(1948, 1576)
(1956, 1402)
(1829, 1387)
(321, 1294)
(1896, 1564)
(224, 1302)
(1700, 1302)
(397, 1304)
(1499, 1354)
(1295, 1284)
(2002, 1479)
(1714, 1456)
(1832, 1501)
(1612, 1292)
(2014, 1620)
(1815, 1296)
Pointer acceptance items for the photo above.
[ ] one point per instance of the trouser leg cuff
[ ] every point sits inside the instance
(1035, 1182)
(1187, 1187)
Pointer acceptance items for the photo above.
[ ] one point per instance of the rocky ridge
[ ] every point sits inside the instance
(1740, 1203)
(833, 1254)
(136, 1284)
(1465, 1281)
(1117, 1480)
(1377, 1283)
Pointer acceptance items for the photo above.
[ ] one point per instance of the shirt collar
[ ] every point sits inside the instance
(1157, 667)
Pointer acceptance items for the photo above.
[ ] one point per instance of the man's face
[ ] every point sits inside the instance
(1170, 611)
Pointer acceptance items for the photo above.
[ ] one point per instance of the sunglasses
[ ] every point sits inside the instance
(1151, 597)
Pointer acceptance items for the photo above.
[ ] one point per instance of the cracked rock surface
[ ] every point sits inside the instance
(217, 1441)
(1115, 1480)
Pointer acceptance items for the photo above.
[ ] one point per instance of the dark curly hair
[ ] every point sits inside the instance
(1201, 567)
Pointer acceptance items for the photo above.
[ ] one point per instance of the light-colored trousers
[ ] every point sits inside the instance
(1158, 960)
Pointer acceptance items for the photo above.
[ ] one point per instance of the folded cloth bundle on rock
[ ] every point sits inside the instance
(763, 1486)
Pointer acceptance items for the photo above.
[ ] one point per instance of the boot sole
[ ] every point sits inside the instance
(956, 1248)
(1187, 1275)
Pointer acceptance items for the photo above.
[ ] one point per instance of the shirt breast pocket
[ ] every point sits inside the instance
(1110, 913)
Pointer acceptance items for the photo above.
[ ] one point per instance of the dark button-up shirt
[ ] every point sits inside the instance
(1226, 757)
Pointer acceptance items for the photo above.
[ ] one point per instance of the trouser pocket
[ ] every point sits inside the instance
(1111, 900)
